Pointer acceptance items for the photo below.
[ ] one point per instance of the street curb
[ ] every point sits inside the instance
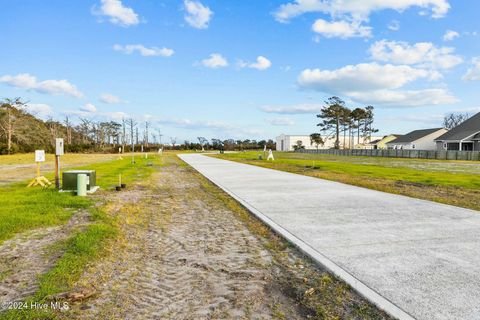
(365, 291)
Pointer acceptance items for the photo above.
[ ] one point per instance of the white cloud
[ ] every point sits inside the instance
(111, 99)
(450, 35)
(360, 77)
(261, 63)
(197, 15)
(89, 108)
(144, 51)
(394, 25)
(372, 83)
(293, 109)
(473, 73)
(280, 121)
(357, 10)
(215, 61)
(423, 54)
(341, 29)
(117, 13)
(41, 110)
(407, 98)
(29, 82)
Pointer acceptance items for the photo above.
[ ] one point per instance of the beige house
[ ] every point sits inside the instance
(382, 142)
(417, 140)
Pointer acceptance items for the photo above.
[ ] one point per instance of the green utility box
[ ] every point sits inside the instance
(69, 179)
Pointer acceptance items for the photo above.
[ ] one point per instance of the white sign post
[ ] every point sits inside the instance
(120, 151)
(39, 180)
(59, 151)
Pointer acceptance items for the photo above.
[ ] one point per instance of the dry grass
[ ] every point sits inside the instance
(19, 167)
(68, 158)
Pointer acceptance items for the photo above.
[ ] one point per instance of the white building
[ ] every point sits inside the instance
(287, 142)
(417, 140)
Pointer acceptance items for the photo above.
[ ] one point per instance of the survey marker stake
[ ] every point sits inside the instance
(39, 180)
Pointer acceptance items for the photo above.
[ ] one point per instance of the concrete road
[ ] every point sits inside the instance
(413, 258)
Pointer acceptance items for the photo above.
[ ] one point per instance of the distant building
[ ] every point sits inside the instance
(417, 140)
(287, 142)
(465, 136)
(382, 142)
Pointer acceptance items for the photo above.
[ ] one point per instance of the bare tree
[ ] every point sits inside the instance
(124, 134)
(132, 124)
(203, 141)
(147, 124)
(452, 120)
(68, 126)
(53, 127)
(160, 135)
(85, 128)
(8, 123)
(173, 140)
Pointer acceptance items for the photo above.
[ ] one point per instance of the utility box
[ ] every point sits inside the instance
(69, 179)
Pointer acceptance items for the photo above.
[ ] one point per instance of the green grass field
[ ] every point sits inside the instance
(23, 209)
(453, 182)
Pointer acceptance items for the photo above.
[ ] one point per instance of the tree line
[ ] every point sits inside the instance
(21, 131)
(337, 121)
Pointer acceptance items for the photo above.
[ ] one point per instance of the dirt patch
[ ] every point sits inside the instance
(189, 251)
(182, 257)
(28, 255)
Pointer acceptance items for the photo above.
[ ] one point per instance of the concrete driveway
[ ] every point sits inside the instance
(414, 258)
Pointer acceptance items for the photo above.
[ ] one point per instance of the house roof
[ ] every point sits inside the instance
(414, 135)
(374, 142)
(463, 130)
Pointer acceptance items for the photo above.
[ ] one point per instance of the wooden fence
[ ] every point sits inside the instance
(400, 153)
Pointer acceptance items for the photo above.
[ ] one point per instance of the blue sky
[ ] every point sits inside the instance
(241, 69)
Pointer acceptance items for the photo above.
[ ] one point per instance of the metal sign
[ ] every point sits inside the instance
(39, 155)
(59, 146)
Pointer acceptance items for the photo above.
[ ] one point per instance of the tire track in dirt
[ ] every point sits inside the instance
(26, 256)
(186, 257)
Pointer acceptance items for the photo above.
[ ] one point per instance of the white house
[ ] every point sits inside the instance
(286, 142)
(417, 140)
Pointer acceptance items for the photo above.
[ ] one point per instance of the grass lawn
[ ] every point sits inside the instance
(451, 182)
(23, 209)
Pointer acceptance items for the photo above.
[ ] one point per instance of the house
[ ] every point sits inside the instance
(382, 142)
(417, 140)
(465, 136)
(287, 142)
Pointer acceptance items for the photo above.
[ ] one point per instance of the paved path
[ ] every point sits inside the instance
(413, 257)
